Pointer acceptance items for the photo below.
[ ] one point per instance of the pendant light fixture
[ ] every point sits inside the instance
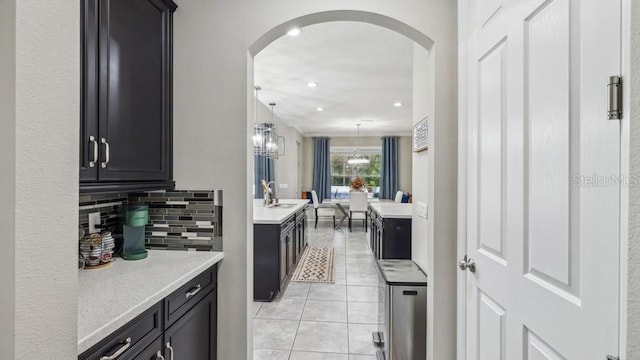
(357, 159)
(265, 137)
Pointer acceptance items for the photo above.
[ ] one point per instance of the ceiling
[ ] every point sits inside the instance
(360, 69)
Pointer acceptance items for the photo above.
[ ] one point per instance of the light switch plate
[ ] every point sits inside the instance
(422, 209)
(94, 219)
(283, 186)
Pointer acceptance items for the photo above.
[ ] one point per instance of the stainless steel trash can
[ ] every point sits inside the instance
(402, 334)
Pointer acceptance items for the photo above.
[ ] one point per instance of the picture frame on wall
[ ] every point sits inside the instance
(421, 135)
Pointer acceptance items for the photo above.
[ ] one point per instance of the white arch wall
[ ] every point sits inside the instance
(212, 81)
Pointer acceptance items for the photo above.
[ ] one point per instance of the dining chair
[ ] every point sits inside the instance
(398, 197)
(323, 210)
(358, 208)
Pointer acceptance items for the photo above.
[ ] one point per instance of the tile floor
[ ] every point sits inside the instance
(324, 321)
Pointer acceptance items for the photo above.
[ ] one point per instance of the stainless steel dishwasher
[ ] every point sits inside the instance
(402, 334)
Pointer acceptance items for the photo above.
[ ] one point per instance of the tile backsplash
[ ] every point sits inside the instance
(109, 205)
(178, 219)
(183, 219)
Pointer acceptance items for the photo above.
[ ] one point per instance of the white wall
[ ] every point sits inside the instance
(210, 112)
(38, 307)
(434, 238)
(633, 263)
(405, 164)
(7, 176)
(405, 157)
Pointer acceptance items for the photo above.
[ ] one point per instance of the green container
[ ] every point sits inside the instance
(133, 231)
(137, 215)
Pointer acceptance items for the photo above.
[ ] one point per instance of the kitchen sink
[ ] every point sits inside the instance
(282, 205)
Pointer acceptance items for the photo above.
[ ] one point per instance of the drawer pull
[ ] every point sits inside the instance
(115, 355)
(159, 356)
(193, 291)
(410, 292)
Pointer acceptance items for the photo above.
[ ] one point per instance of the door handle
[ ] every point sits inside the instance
(467, 263)
(93, 141)
(159, 356)
(106, 152)
(170, 350)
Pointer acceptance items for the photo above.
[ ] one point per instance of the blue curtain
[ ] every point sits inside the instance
(389, 175)
(262, 169)
(322, 167)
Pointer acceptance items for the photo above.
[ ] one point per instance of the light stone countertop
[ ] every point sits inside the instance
(393, 210)
(109, 298)
(277, 214)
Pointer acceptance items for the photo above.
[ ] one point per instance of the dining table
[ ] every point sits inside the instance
(342, 204)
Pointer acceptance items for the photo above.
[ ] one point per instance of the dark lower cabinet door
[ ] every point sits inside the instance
(193, 337)
(134, 90)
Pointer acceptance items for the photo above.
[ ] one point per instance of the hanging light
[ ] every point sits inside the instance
(265, 138)
(357, 159)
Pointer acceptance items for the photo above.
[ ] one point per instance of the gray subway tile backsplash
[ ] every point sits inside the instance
(183, 219)
(178, 219)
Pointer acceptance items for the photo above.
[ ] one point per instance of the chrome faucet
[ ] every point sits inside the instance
(268, 194)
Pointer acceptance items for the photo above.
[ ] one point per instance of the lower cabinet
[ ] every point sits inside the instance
(390, 237)
(194, 335)
(181, 326)
(276, 249)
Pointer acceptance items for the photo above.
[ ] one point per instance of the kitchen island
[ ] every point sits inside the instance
(279, 238)
(113, 298)
(391, 230)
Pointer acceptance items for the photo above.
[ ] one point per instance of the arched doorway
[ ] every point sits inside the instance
(425, 236)
(213, 47)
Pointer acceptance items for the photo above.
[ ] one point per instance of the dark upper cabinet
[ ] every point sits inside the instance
(126, 120)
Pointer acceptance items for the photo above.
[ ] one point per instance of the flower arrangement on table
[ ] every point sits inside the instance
(357, 183)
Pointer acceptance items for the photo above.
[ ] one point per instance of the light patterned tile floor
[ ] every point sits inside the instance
(331, 321)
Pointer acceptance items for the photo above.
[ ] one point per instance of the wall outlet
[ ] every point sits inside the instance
(94, 219)
(283, 186)
(422, 209)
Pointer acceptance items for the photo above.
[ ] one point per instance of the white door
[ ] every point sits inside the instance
(542, 179)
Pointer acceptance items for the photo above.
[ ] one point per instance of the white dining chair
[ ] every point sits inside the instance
(398, 197)
(323, 210)
(358, 208)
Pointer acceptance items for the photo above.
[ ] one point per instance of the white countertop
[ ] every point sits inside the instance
(109, 298)
(393, 210)
(277, 214)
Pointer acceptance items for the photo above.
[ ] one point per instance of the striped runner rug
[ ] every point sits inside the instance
(316, 265)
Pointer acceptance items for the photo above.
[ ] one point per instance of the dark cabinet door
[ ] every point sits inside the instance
(89, 147)
(134, 79)
(193, 337)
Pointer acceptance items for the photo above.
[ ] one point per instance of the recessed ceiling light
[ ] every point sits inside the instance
(319, 109)
(397, 104)
(294, 31)
(312, 84)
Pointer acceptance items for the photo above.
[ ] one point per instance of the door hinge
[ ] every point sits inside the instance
(611, 357)
(615, 98)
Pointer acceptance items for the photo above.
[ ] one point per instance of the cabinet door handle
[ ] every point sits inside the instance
(170, 350)
(106, 152)
(193, 292)
(122, 349)
(159, 356)
(93, 141)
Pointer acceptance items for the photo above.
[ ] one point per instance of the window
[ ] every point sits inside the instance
(342, 172)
